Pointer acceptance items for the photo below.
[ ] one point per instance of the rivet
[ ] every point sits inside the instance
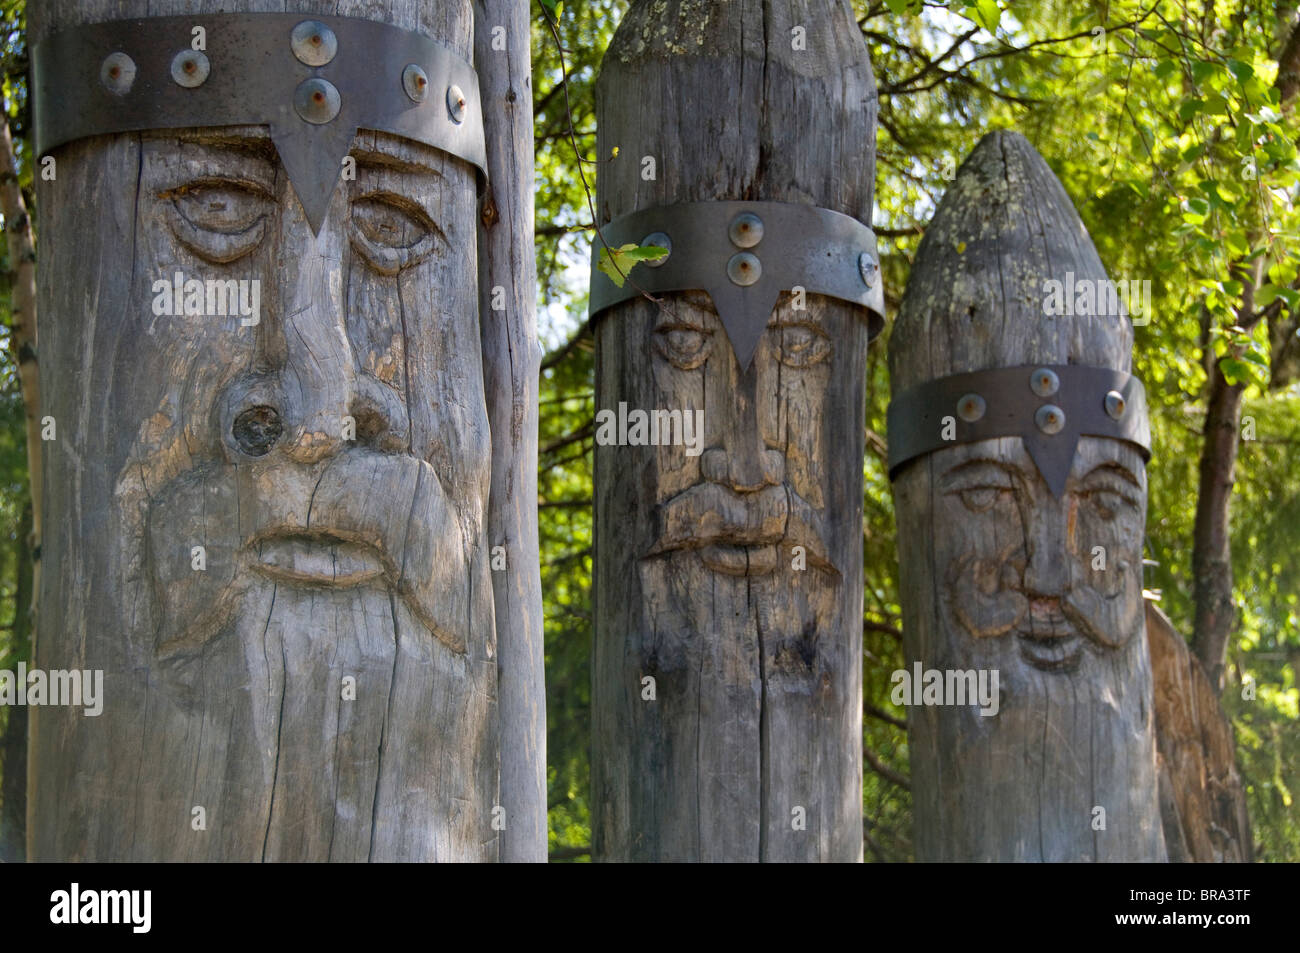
(316, 100)
(970, 408)
(1050, 419)
(658, 240)
(313, 43)
(190, 68)
(416, 83)
(1115, 404)
(117, 73)
(746, 230)
(1044, 382)
(744, 269)
(867, 268)
(456, 104)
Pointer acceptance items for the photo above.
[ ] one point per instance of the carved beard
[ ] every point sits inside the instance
(742, 535)
(407, 542)
(986, 597)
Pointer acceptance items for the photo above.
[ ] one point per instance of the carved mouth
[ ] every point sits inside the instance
(1048, 639)
(319, 559)
(741, 535)
(756, 559)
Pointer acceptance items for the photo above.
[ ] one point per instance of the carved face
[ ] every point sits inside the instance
(336, 439)
(1060, 577)
(757, 490)
(301, 500)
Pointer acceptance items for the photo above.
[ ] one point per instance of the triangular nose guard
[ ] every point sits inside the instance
(744, 254)
(135, 75)
(1080, 401)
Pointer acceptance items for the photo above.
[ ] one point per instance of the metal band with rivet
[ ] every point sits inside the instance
(1006, 402)
(131, 76)
(744, 254)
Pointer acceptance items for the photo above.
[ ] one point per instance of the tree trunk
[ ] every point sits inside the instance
(22, 341)
(1216, 612)
(318, 681)
(13, 742)
(727, 671)
(511, 358)
(1000, 575)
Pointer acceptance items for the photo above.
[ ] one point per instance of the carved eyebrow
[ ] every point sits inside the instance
(218, 181)
(980, 466)
(801, 319)
(1113, 468)
(381, 159)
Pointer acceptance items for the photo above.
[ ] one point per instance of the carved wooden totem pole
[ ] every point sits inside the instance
(728, 588)
(1017, 444)
(268, 497)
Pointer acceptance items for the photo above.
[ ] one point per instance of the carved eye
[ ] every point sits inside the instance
(1109, 503)
(391, 232)
(801, 345)
(217, 219)
(684, 346)
(981, 497)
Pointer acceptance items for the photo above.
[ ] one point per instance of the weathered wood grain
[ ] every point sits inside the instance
(755, 723)
(1205, 815)
(328, 557)
(992, 566)
(511, 360)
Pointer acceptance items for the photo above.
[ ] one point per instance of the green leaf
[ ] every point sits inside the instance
(1236, 371)
(616, 263)
(898, 6)
(986, 14)
(1243, 71)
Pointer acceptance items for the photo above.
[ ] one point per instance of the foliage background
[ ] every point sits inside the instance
(1162, 120)
(1155, 123)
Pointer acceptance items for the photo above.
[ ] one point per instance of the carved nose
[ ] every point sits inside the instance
(257, 429)
(743, 472)
(743, 462)
(1046, 570)
(251, 417)
(380, 417)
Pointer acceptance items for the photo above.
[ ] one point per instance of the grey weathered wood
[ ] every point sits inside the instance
(756, 665)
(1023, 785)
(224, 687)
(511, 358)
(1205, 815)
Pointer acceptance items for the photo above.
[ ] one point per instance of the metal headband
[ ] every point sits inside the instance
(314, 81)
(1048, 406)
(744, 254)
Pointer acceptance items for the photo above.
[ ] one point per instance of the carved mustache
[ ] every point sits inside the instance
(353, 519)
(987, 597)
(710, 514)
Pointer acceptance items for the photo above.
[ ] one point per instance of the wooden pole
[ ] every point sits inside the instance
(726, 681)
(1202, 795)
(998, 574)
(271, 539)
(511, 360)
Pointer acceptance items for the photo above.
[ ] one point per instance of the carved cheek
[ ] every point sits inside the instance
(1107, 553)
